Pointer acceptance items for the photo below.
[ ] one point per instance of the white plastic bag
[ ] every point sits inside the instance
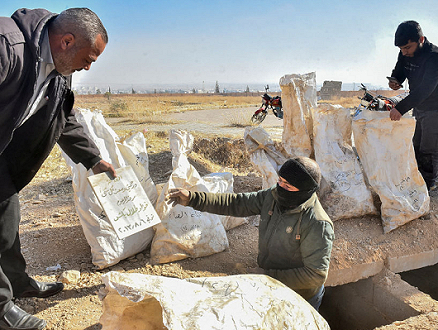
(347, 195)
(387, 156)
(184, 232)
(134, 152)
(263, 154)
(147, 302)
(223, 183)
(106, 248)
(298, 96)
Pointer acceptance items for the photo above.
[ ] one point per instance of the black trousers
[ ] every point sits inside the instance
(425, 143)
(13, 277)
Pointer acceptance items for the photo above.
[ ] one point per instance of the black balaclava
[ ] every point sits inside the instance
(295, 173)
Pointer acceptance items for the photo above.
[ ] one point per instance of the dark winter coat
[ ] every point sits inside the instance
(422, 74)
(24, 148)
(294, 245)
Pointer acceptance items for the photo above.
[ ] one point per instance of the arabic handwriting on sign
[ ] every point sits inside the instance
(130, 211)
(111, 189)
(136, 224)
(126, 212)
(125, 199)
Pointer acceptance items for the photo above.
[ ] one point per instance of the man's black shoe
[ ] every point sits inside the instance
(18, 319)
(40, 289)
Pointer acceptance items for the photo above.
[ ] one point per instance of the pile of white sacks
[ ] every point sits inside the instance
(384, 165)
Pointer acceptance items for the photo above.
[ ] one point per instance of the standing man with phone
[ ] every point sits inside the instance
(418, 63)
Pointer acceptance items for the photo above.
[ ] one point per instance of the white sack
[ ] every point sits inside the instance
(184, 232)
(387, 156)
(147, 302)
(347, 195)
(223, 183)
(263, 154)
(106, 248)
(134, 152)
(298, 96)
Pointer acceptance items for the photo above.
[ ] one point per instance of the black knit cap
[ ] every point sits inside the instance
(296, 174)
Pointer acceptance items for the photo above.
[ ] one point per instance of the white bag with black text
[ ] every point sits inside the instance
(184, 232)
(106, 248)
(252, 302)
(346, 195)
(387, 155)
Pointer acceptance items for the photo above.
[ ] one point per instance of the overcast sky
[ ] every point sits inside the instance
(241, 41)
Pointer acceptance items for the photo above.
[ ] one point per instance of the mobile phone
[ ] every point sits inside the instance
(394, 80)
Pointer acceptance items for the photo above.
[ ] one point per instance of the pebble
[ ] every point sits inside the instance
(70, 276)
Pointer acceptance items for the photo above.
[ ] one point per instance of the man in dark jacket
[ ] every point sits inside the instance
(295, 233)
(38, 51)
(418, 62)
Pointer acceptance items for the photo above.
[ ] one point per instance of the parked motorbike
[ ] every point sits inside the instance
(376, 102)
(268, 102)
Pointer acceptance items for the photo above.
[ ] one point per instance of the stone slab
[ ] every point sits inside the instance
(361, 249)
(413, 261)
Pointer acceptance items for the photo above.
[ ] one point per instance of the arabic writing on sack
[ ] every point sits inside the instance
(125, 202)
(190, 231)
(344, 181)
(405, 187)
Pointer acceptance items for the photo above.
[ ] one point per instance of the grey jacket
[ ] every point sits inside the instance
(24, 148)
(294, 245)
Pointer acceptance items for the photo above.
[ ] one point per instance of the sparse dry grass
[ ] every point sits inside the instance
(146, 107)
(143, 108)
(240, 119)
(345, 102)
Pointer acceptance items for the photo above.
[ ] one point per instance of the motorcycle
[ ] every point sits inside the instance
(268, 102)
(376, 102)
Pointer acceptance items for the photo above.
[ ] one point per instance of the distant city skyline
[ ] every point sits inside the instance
(187, 42)
(207, 88)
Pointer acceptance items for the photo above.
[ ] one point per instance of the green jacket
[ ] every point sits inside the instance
(294, 245)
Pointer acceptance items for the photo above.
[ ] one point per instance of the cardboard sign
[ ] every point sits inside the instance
(125, 202)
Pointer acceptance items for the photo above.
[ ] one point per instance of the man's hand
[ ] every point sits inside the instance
(178, 196)
(394, 114)
(394, 85)
(104, 166)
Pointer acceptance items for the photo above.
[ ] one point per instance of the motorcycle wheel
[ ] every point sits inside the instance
(257, 118)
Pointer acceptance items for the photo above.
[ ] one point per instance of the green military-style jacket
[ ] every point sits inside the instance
(294, 245)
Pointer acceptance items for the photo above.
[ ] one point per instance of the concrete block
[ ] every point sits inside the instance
(355, 273)
(413, 261)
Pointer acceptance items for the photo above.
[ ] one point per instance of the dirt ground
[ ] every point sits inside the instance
(52, 235)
